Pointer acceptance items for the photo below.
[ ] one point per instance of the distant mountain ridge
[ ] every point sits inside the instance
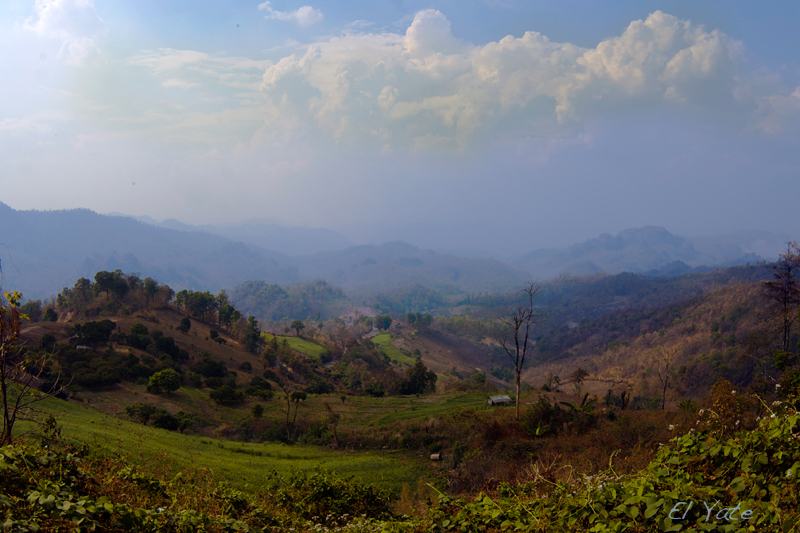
(398, 264)
(289, 240)
(48, 250)
(650, 249)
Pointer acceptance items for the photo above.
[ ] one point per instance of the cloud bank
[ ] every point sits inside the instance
(426, 90)
(427, 86)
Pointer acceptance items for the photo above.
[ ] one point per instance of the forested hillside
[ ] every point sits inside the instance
(189, 363)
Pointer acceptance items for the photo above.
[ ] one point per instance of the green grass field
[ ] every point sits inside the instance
(304, 346)
(245, 465)
(383, 341)
(409, 408)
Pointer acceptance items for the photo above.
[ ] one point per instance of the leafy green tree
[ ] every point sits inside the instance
(198, 304)
(252, 336)
(185, 325)
(226, 395)
(141, 411)
(298, 326)
(150, 288)
(577, 379)
(165, 294)
(139, 329)
(50, 315)
(180, 299)
(82, 291)
(93, 332)
(319, 386)
(227, 315)
(208, 367)
(111, 282)
(167, 380)
(382, 322)
(270, 353)
(134, 282)
(418, 380)
(33, 310)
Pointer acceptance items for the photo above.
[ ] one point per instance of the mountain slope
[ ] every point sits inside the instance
(48, 250)
(290, 240)
(399, 264)
(633, 250)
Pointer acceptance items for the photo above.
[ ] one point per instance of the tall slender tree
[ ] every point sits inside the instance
(515, 338)
(784, 290)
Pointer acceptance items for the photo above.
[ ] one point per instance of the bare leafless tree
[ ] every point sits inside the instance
(665, 359)
(515, 339)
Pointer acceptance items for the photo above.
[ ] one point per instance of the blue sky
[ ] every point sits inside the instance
(445, 123)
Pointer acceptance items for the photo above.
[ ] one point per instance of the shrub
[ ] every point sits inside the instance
(323, 493)
(47, 342)
(167, 380)
(319, 387)
(226, 395)
(214, 382)
(376, 389)
(211, 368)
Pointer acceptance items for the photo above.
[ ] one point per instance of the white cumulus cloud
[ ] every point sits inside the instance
(305, 16)
(75, 23)
(426, 84)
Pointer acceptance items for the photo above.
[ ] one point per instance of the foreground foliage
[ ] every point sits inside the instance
(68, 490)
(746, 482)
(706, 480)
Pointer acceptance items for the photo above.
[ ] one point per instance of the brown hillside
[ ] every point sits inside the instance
(705, 340)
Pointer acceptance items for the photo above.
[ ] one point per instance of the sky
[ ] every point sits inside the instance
(480, 124)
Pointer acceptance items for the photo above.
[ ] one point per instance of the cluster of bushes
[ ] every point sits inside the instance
(80, 364)
(92, 333)
(155, 343)
(215, 375)
(418, 380)
(86, 368)
(159, 417)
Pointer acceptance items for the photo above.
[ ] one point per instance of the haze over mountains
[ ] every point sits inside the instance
(48, 250)
(652, 250)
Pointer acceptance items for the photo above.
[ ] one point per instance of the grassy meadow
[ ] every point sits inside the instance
(384, 343)
(298, 344)
(246, 466)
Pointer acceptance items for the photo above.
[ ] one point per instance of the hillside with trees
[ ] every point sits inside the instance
(613, 387)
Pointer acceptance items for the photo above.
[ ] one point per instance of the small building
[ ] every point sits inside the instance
(499, 400)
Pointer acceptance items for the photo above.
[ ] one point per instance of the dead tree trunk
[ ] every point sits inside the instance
(518, 327)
